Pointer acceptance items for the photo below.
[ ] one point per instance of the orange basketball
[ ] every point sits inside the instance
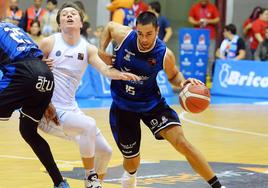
(194, 98)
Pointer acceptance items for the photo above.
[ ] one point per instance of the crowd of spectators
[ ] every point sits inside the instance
(253, 44)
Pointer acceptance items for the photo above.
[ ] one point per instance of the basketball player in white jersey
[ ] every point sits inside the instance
(70, 54)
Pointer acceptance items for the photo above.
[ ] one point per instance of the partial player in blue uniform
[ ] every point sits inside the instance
(27, 84)
(142, 53)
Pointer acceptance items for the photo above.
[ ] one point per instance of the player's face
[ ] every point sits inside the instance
(70, 18)
(146, 35)
(3, 7)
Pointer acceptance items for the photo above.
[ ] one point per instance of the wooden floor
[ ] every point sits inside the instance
(224, 133)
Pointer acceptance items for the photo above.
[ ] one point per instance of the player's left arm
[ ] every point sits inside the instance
(107, 70)
(175, 77)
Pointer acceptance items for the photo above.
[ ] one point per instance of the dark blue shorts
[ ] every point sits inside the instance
(126, 129)
(26, 85)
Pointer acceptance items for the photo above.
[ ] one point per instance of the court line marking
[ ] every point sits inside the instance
(182, 116)
(34, 158)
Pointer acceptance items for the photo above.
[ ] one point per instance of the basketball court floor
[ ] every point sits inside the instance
(232, 135)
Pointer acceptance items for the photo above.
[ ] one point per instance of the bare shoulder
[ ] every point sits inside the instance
(118, 31)
(91, 48)
(169, 55)
(46, 44)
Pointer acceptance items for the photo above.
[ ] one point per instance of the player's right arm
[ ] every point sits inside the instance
(46, 46)
(112, 32)
(175, 77)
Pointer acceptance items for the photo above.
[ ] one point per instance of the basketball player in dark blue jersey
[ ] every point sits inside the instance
(142, 53)
(26, 84)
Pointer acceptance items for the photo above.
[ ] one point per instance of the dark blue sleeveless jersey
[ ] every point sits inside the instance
(143, 95)
(15, 44)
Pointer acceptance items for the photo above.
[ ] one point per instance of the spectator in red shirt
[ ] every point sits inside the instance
(205, 15)
(247, 29)
(258, 28)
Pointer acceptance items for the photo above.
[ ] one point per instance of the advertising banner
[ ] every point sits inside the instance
(241, 78)
(193, 52)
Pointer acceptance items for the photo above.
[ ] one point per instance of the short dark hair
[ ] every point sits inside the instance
(231, 28)
(155, 6)
(54, 2)
(147, 17)
(72, 5)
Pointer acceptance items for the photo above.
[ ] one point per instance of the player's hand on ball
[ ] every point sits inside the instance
(191, 81)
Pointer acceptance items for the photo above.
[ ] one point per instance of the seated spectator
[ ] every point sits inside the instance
(49, 23)
(35, 32)
(261, 53)
(233, 46)
(13, 13)
(247, 29)
(165, 30)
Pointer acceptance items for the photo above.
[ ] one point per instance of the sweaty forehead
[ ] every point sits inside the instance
(145, 28)
(69, 9)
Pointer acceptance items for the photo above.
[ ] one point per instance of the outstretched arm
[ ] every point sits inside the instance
(107, 70)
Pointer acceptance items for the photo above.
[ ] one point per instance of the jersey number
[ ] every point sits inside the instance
(130, 90)
(16, 35)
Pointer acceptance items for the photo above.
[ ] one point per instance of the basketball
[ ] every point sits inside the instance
(194, 98)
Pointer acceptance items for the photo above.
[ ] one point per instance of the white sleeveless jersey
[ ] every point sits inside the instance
(70, 63)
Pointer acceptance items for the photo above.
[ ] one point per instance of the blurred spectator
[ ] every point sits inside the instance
(82, 7)
(205, 15)
(35, 32)
(13, 14)
(261, 53)
(139, 6)
(86, 30)
(122, 12)
(49, 23)
(233, 46)
(34, 12)
(258, 28)
(95, 40)
(247, 29)
(165, 31)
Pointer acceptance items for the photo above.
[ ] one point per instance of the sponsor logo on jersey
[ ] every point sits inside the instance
(152, 61)
(80, 56)
(68, 56)
(58, 53)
